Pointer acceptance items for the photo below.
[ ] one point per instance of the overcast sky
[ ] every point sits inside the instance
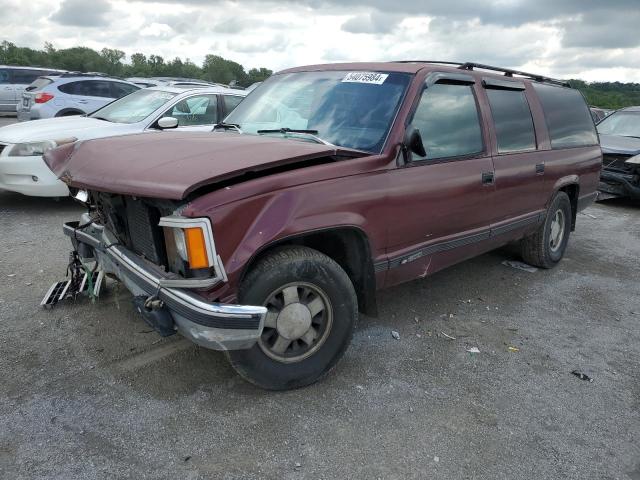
(588, 39)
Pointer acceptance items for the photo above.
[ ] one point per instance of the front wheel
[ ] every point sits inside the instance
(545, 248)
(312, 312)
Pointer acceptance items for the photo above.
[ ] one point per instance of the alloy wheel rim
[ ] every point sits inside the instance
(298, 322)
(556, 235)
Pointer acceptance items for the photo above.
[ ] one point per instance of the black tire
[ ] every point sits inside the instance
(310, 274)
(540, 249)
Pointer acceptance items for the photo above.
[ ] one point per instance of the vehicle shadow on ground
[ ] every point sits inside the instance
(18, 203)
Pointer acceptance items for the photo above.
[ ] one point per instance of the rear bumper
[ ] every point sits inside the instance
(213, 325)
(620, 184)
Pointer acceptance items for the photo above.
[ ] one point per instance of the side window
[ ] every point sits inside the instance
(97, 88)
(196, 110)
(447, 117)
(231, 102)
(5, 77)
(71, 88)
(567, 116)
(25, 77)
(121, 89)
(512, 120)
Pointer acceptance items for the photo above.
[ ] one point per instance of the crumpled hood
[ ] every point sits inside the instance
(618, 144)
(172, 166)
(57, 128)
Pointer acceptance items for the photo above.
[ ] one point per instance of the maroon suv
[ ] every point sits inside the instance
(266, 237)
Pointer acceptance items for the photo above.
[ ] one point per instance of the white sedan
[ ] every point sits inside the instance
(22, 145)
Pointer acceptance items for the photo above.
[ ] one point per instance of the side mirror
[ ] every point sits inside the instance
(413, 141)
(167, 122)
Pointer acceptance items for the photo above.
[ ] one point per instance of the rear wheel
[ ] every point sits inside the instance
(546, 247)
(312, 311)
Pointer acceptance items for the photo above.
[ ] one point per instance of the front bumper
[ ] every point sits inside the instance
(29, 176)
(620, 184)
(213, 325)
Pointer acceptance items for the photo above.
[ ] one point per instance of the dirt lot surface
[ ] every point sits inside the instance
(89, 392)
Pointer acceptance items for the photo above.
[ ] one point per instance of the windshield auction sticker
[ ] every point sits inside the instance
(365, 77)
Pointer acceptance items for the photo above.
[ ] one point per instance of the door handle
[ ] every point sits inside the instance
(488, 178)
(539, 168)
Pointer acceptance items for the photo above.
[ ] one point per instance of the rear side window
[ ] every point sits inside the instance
(38, 84)
(25, 77)
(567, 116)
(71, 88)
(512, 120)
(4, 76)
(447, 117)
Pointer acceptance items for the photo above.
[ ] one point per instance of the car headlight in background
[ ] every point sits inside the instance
(37, 149)
(190, 247)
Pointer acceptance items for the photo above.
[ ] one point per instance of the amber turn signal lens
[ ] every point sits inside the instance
(196, 248)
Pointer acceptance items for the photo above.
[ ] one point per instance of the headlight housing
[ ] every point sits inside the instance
(37, 149)
(190, 247)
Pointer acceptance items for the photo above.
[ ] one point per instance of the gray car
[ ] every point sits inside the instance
(13, 81)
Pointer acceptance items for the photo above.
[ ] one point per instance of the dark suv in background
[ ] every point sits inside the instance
(328, 183)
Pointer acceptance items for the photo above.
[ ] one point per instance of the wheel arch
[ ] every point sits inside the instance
(69, 111)
(348, 246)
(570, 186)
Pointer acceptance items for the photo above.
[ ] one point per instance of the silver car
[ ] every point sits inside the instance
(13, 80)
(70, 94)
(22, 145)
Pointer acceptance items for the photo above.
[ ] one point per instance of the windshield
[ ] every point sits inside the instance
(134, 107)
(349, 109)
(626, 124)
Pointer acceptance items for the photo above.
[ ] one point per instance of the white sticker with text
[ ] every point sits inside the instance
(373, 78)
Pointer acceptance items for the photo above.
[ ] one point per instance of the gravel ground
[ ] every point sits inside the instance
(89, 392)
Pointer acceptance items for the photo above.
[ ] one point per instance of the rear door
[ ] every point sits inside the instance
(519, 166)
(441, 203)
(87, 95)
(8, 98)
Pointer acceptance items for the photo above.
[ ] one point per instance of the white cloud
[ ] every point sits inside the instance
(570, 38)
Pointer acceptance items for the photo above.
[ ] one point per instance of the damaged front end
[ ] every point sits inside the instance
(620, 176)
(165, 260)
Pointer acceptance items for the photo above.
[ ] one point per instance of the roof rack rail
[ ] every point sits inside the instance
(510, 73)
(507, 71)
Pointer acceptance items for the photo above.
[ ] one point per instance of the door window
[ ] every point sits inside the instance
(231, 102)
(4, 76)
(97, 88)
(196, 110)
(447, 117)
(512, 120)
(122, 89)
(25, 77)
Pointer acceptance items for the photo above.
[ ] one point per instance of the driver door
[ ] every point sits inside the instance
(195, 113)
(441, 203)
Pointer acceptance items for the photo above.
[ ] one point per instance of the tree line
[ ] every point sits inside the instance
(112, 62)
(220, 70)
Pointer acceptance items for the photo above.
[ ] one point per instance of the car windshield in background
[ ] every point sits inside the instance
(626, 124)
(348, 109)
(134, 107)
